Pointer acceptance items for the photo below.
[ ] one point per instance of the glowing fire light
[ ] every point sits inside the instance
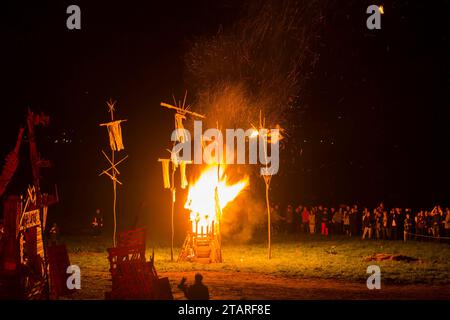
(271, 137)
(381, 9)
(201, 199)
(254, 134)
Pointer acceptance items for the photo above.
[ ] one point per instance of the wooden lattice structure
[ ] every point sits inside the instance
(204, 246)
(201, 249)
(132, 276)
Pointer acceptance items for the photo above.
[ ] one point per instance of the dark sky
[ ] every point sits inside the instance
(373, 123)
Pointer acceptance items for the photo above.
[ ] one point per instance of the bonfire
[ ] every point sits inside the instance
(207, 198)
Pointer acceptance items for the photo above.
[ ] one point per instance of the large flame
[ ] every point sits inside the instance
(201, 200)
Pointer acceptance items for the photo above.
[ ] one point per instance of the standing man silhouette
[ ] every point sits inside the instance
(197, 291)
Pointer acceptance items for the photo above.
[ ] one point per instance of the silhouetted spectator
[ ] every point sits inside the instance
(367, 224)
(420, 225)
(298, 219)
(337, 221)
(54, 234)
(276, 220)
(97, 223)
(324, 222)
(312, 221)
(378, 224)
(385, 229)
(346, 218)
(400, 218)
(394, 224)
(289, 222)
(305, 220)
(435, 221)
(355, 220)
(447, 223)
(407, 227)
(197, 291)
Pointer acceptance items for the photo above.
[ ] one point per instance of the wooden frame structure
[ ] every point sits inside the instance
(132, 276)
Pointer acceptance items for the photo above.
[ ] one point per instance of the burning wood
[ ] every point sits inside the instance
(206, 200)
(201, 199)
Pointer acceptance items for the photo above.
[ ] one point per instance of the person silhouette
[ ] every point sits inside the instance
(197, 291)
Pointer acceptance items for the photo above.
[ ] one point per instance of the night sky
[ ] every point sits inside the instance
(372, 123)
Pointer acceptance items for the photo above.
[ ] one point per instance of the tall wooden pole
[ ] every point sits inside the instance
(116, 144)
(268, 218)
(173, 209)
(114, 204)
(111, 110)
(217, 199)
(267, 180)
(218, 213)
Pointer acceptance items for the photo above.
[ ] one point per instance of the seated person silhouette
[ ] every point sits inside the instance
(197, 291)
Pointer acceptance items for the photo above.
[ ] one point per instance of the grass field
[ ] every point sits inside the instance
(339, 259)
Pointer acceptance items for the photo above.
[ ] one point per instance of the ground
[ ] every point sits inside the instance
(301, 268)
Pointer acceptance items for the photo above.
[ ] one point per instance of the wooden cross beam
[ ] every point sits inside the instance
(182, 111)
(114, 165)
(112, 177)
(106, 124)
(113, 168)
(111, 108)
(186, 161)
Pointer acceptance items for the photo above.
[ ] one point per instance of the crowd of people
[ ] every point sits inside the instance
(352, 221)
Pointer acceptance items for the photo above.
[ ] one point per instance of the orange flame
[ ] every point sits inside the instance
(201, 200)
